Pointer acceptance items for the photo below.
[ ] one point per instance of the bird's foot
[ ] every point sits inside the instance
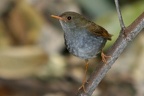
(104, 57)
(83, 86)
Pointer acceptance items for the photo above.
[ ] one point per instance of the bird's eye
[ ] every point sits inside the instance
(69, 17)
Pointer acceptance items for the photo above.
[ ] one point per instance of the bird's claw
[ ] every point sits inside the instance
(104, 57)
(82, 87)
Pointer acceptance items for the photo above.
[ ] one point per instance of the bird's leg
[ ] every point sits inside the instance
(84, 79)
(104, 57)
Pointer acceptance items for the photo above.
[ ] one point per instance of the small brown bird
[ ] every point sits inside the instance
(83, 38)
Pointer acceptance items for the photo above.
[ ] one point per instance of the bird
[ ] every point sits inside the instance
(83, 38)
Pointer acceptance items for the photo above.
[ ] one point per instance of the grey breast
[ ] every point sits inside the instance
(82, 43)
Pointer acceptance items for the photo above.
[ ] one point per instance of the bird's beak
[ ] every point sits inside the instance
(57, 17)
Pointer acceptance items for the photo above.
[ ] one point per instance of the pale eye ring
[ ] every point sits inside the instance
(69, 17)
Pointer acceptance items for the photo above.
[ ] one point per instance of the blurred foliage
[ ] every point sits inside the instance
(21, 24)
(111, 21)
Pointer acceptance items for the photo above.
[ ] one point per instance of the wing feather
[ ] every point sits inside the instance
(99, 31)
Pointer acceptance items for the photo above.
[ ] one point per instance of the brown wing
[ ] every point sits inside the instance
(99, 31)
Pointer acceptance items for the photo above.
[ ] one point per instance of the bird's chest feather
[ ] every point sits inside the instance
(82, 43)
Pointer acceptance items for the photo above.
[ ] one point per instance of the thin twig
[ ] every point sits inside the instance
(114, 52)
(119, 14)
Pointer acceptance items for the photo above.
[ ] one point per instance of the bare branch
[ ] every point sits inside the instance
(114, 52)
(119, 14)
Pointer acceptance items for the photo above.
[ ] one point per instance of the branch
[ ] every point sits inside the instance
(115, 51)
(119, 15)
